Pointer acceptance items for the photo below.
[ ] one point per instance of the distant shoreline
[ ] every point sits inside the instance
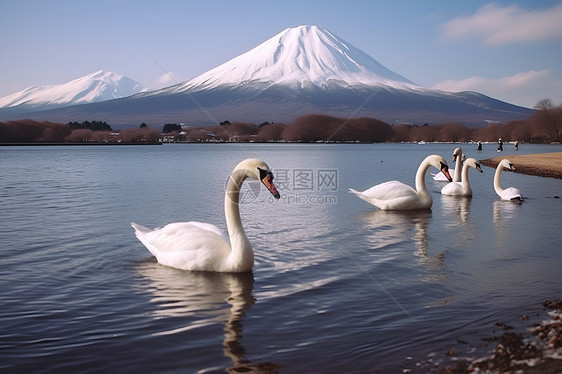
(66, 144)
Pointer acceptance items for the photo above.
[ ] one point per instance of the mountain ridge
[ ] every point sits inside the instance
(94, 87)
(302, 70)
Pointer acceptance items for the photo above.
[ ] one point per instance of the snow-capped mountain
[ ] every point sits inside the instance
(91, 88)
(302, 70)
(304, 54)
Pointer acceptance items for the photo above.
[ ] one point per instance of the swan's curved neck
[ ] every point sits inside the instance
(420, 181)
(465, 185)
(241, 250)
(497, 175)
(464, 174)
(458, 167)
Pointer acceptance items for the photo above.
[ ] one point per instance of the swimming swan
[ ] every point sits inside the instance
(510, 193)
(396, 195)
(202, 246)
(462, 188)
(458, 159)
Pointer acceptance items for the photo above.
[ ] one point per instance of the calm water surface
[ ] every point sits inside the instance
(337, 286)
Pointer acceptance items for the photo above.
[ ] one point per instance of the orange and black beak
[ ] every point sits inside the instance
(266, 178)
(478, 167)
(445, 171)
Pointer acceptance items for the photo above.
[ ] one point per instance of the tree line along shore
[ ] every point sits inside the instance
(544, 126)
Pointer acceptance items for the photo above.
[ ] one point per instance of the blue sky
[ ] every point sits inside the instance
(508, 50)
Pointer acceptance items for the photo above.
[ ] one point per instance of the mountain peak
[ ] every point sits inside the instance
(94, 87)
(302, 54)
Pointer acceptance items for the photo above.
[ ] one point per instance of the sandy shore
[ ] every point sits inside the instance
(540, 164)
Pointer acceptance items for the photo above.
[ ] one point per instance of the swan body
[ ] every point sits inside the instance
(462, 188)
(510, 193)
(458, 159)
(203, 246)
(395, 195)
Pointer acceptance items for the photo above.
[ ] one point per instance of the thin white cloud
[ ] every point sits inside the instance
(524, 89)
(166, 79)
(497, 25)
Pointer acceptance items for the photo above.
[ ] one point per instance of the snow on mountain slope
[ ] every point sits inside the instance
(299, 71)
(94, 87)
(300, 54)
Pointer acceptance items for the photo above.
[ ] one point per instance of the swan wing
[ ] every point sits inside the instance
(511, 193)
(185, 245)
(392, 195)
(209, 227)
(390, 190)
(453, 188)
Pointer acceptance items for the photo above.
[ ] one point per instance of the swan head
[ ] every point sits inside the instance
(506, 164)
(258, 170)
(472, 162)
(457, 153)
(440, 163)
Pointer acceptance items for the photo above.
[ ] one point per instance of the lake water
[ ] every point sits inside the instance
(337, 286)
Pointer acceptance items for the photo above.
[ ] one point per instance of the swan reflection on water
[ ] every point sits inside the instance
(457, 206)
(503, 212)
(390, 228)
(393, 227)
(202, 298)
(456, 210)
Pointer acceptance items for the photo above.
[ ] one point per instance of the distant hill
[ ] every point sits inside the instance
(302, 70)
(91, 88)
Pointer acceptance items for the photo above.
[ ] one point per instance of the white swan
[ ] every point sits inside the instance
(458, 159)
(202, 246)
(396, 195)
(462, 188)
(510, 193)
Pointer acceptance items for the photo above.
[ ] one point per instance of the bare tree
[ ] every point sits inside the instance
(198, 135)
(239, 131)
(80, 135)
(520, 131)
(426, 133)
(317, 127)
(28, 131)
(271, 132)
(371, 130)
(548, 118)
(455, 132)
(401, 132)
(139, 135)
(311, 128)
